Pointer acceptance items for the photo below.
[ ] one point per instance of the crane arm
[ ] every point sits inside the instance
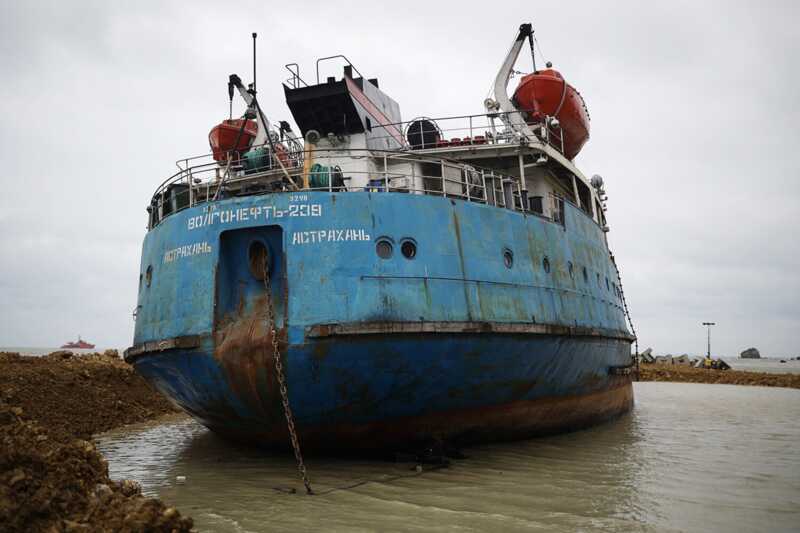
(235, 82)
(513, 117)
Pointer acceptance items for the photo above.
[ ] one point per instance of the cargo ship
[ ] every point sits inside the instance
(79, 344)
(371, 283)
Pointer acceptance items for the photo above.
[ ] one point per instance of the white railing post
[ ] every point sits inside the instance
(483, 181)
(191, 189)
(385, 174)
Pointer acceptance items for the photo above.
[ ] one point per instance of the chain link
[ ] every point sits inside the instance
(627, 314)
(276, 353)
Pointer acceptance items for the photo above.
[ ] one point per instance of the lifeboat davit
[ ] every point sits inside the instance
(547, 93)
(228, 137)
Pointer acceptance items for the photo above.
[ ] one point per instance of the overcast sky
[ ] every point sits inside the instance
(694, 110)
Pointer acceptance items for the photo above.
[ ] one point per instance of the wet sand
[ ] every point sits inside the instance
(688, 374)
(52, 478)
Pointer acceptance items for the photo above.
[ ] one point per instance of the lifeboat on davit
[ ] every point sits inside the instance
(547, 93)
(230, 136)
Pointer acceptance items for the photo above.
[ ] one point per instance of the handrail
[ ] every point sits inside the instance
(334, 57)
(296, 79)
(202, 183)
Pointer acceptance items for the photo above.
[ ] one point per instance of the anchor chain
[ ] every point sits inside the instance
(627, 314)
(276, 354)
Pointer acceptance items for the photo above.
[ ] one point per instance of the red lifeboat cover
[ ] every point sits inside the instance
(222, 137)
(546, 92)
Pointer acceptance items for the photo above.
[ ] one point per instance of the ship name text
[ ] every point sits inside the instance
(186, 251)
(245, 214)
(329, 235)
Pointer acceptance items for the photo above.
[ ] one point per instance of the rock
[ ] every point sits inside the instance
(130, 487)
(681, 360)
(111, 353)
(103, 491)
(60, 354)
(750, 353)
(663, 359)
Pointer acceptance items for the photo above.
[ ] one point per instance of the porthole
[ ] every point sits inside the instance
(258, 260)
(148, 275)
(585, 275)
(608, 287)
(383, 248)
(508, 258)
(571, 270)
(546, 265)
(408, 248)
(598, 279)
(140, 280)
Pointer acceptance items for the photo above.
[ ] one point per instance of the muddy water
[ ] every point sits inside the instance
(690, 457)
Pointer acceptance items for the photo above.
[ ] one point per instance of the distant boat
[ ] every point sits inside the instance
(80, 344)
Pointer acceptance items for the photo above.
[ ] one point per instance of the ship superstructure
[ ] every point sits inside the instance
(383, 283)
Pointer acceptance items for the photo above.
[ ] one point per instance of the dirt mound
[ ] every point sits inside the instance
(50, 485)
(51, 477)
(76, 396)
(730, 377)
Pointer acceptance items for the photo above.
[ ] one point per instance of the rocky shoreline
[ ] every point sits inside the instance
(52, 478)
(688, 374)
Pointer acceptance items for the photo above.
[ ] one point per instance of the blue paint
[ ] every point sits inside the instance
(325, 270)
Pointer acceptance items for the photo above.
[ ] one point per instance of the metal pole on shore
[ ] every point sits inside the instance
(708, 325)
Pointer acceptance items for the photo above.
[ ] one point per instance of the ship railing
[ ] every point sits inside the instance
(471, 131)
(201, 179)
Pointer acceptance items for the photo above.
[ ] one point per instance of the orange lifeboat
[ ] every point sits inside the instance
(223, 138)
(547, 93)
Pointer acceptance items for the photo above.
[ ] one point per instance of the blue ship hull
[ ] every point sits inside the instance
(454, 344)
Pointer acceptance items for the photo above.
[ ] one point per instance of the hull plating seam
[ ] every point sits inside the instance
(382, 328)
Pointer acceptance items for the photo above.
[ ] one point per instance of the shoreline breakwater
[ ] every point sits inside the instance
(52, 478)
(689, 374)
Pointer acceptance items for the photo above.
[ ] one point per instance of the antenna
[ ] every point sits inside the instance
(254, 62)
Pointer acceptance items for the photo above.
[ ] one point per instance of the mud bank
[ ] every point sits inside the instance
(52, 478)
(689, 374)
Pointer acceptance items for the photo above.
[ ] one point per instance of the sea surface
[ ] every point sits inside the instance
(690, 457)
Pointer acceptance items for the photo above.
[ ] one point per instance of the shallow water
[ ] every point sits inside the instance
(690, 457)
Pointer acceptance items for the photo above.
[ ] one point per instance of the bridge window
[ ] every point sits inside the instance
(508, 258)
(383, 248)
(408, 248)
